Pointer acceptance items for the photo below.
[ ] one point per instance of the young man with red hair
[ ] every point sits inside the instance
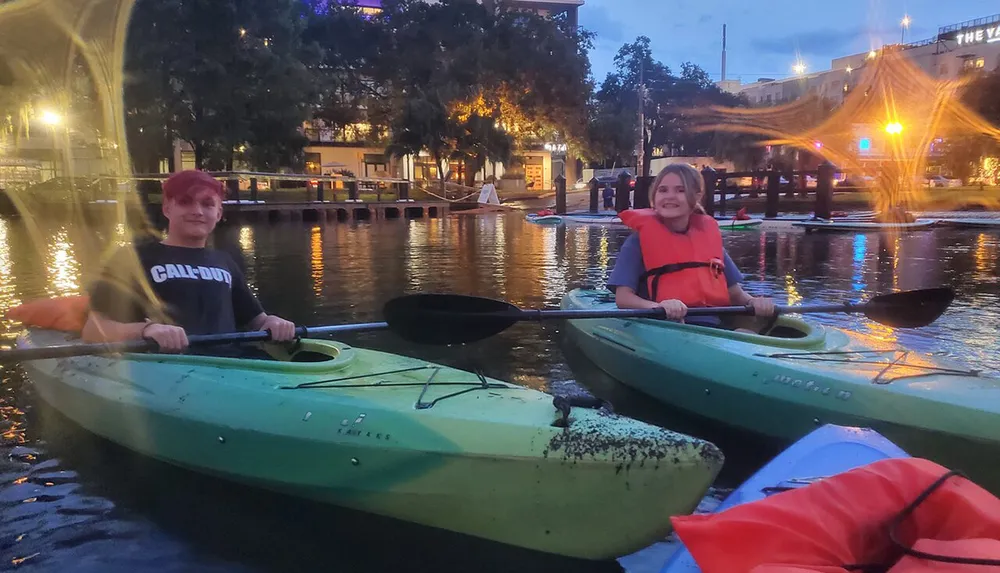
(202, 290)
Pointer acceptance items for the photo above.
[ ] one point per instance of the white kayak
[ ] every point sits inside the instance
(863, 226)
(738, 224)
(594, 219)
(973, 223)
(544, 219)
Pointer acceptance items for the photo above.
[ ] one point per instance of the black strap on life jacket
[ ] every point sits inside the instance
(674, 268)
(894, 526)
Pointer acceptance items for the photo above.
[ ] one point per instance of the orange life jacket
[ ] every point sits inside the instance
(68, 313)
(693, 259)
(845, 520)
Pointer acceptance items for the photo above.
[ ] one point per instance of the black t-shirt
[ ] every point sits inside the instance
(202, 290)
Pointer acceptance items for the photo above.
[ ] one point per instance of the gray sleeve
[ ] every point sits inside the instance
(733, 274)
(628, 266)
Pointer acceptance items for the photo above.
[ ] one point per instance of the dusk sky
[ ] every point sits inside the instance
(764, 37)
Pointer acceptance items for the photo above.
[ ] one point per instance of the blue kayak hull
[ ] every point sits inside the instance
(827, 451)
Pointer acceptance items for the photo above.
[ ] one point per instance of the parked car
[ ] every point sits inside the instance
(857, 181)
(942, 181)
(613, 181)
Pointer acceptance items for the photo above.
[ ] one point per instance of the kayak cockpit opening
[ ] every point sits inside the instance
(309, 356)
(299, 351)
(786, 331)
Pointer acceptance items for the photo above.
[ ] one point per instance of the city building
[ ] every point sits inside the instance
(543, 7)
(967, 47)
(331, 151)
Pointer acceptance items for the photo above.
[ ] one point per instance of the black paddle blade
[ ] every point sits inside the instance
(910, 309)
(448, 318)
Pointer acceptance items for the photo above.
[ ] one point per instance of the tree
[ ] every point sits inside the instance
(222, 74)
(965, 145)
(668, 102)
(349, 45)
(423, 124)
(479, 140)
(613, 128)
(485, 79)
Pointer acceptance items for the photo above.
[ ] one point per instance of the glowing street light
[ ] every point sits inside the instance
(872, 55)
(51, 118)
(905, 25)
(894, 128)
(799, 68)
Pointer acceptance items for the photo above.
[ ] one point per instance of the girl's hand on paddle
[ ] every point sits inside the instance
(281, 330)
(762, 306)
(170, 339)
(675, 309)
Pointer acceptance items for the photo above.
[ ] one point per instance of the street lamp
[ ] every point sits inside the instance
(905, 25)
(799, 68)
(51, 118)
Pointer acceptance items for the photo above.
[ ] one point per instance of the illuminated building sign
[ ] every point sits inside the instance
(982, 35)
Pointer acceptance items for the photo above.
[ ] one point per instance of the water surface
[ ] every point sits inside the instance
(72, 502)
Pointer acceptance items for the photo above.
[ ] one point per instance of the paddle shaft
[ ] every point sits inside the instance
(67, 350)
(659, 313)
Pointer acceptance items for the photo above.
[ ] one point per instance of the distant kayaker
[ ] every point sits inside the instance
(609, 197)
(202, 290)
(676, 259)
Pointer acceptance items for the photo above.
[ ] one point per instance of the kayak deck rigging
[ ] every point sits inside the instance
(898, 360)
(335, 384)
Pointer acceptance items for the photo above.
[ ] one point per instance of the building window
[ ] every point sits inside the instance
(376, 165)
(973, 64)
(313, 161)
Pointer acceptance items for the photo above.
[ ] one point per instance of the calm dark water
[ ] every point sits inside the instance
(71, 502)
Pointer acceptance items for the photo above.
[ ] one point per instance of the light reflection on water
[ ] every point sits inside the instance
(344, 272)
(316, 258)
(63, 267)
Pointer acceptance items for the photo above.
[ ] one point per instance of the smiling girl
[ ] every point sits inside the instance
(675, 259)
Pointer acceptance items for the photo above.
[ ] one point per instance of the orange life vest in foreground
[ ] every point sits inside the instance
(68, 313)
(683, 266)
(844, 520)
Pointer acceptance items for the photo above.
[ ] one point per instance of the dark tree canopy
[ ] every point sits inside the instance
(238, 79)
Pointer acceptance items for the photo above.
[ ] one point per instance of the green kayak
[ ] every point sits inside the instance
(801, 377)
(394, 436)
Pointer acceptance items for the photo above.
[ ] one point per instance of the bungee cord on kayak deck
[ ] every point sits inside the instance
(880, 378)
(334, 384)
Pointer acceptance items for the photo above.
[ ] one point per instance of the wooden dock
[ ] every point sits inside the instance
(340, 211)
